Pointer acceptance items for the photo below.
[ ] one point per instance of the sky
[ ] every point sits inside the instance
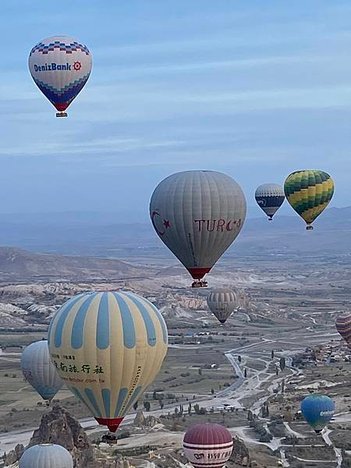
(250, 88)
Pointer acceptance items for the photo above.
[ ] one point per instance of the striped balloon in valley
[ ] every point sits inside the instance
(60, 66)
(207, 445)
(108, 347)
(46, 456)
(221, 303)
(309, 192)
(343, 326)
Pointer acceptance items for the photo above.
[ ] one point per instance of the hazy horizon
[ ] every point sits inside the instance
(139, 216)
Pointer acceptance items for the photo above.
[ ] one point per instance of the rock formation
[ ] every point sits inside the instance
(240, 455)
(141, 421)
(14, 455)
(59, 427)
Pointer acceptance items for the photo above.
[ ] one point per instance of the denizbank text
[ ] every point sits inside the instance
(52, 67)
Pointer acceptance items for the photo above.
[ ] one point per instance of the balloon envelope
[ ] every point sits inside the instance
(39, 371)
(269, 198)
(60, 66)
(46, 456)
(317, 410)
(208, 445)
(108, 347)
(343, 326)
(198, 214)
(221, 303)
(309, 192)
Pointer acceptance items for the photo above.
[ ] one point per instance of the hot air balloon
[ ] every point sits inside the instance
(108, 347)
(198, 214)
(208, 445)
(317, 411)
(46, 456)
(60, 66)
(269, 198)
(39, 371)
(309, 192)
(343, 326)
(221, 303)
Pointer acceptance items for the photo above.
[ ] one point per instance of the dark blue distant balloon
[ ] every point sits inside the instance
(269, 198)
(317, 410)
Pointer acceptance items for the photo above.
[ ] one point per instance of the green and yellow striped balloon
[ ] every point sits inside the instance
(309, 192)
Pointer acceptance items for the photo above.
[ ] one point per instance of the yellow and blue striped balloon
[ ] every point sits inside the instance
(309, 192)
(108, 347)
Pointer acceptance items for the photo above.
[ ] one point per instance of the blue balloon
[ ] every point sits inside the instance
(39, 371)
(46, 456)
(317, 411)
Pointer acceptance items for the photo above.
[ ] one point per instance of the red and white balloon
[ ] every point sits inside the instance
(208, 445)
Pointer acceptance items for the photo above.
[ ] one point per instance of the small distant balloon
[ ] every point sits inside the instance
(343, 326)
(46, 456)
(108, 348)
(269, 198)
(39, 371)
(317, 410)
(222, 303)
(208, 445)
(198, 215)
(60, 66)
(309, 192)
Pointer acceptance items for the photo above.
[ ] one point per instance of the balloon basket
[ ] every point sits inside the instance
(61, 114)
(199, 284)
(109, 438)
(309, 228)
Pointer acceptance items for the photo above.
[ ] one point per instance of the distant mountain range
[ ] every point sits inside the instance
(21, 265)
(287, 235)
(90, 234)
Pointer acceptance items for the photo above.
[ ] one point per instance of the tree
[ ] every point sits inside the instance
(212, 391)
(147, 405)
(282, 363)
(200, 371)
(189, 408)
(272, 354)
(245, 372)
(265, 410)
(135, 406)
(223, 416)
(161, 404)
(239, 358)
